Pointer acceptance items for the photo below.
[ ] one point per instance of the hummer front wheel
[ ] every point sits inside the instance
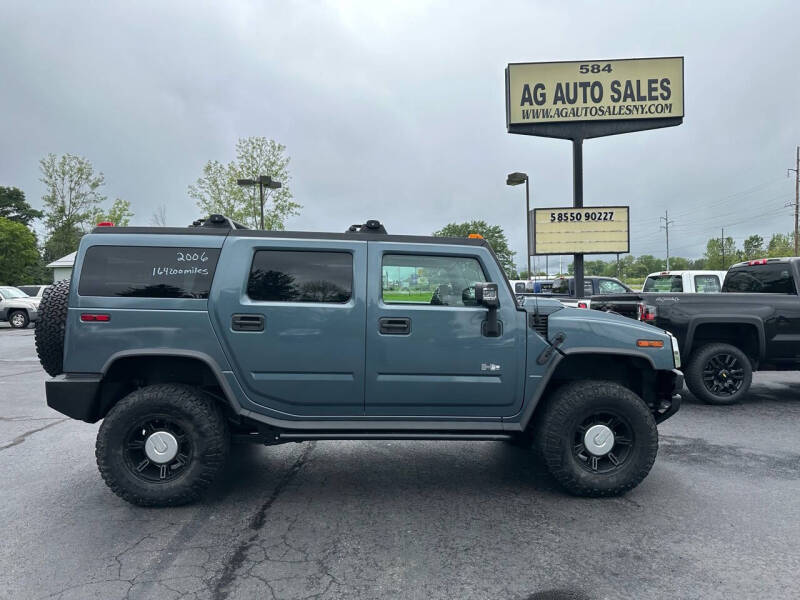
(597, 438)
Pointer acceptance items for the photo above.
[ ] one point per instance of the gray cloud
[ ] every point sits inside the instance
(397, 112)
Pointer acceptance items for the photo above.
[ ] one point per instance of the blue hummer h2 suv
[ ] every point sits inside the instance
(182, 339)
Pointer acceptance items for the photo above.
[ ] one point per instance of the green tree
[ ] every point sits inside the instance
(491, 233)
(73, 202)
(217, 191)
(718, 256)
(19, 256)
(753, 247)
(119, 214)
(14, 207)
(781, 245)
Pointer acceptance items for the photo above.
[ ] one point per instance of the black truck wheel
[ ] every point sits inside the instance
(719, 374)
(597, 438)
(162, 445)
(18, 319)
(49, 333)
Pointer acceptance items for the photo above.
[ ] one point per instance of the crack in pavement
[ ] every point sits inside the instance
(21, 438)
(222, 588)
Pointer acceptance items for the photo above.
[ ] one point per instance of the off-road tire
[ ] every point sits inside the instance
(49, 334)
(696, 367)
(568, 407)
(18, 319)
(201, 419)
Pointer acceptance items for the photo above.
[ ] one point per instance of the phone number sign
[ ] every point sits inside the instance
(588, 230)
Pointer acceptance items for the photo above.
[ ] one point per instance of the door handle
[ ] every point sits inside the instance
(394, 325)
(244, 322)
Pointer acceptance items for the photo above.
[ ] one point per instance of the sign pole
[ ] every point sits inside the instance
(577, 202)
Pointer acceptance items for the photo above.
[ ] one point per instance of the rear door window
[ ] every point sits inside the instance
(301, 276)
(148, 272)
(609, 286)
(706, 284)
(765, 279)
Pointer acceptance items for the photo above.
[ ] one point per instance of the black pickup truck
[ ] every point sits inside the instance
(754, 324)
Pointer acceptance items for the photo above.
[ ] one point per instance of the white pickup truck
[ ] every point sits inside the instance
(700, 282)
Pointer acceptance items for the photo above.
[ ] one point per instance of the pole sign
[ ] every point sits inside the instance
(643, 92)
(590, 230)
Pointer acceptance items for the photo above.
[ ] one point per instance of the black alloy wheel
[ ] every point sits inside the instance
(157, 449)
(596, 431)
(723, 375)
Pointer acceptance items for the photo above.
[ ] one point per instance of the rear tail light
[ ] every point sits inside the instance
(91, 318)
(646, 312)
(105, 224)
(583, 305)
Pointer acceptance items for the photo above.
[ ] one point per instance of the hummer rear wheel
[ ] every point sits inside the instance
(162, 445)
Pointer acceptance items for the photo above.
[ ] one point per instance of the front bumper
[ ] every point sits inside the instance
(670, 383)
(74, 395)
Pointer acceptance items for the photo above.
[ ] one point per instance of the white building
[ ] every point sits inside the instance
(62, 268)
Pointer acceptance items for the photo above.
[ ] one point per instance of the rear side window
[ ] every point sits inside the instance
(301, 276)
(31, 290)
(663, 283)
(765, 279)
(148, 272)
(706, 284)
(609, 286)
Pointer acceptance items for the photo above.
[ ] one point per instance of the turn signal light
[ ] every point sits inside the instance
(650, 343)
(87, 317)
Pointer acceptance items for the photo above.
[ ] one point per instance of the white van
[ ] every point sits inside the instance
(701, 282)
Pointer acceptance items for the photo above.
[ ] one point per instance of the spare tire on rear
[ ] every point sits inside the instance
(49, 333)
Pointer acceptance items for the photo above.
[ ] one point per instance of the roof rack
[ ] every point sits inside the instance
(219, 222)
(371, 226)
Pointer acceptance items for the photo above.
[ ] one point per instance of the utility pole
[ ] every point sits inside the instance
(665, 226)
(796, 199)
(722, 245)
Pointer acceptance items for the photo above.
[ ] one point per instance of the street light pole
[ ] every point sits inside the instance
(528, 226)
(515, 179)
(263, 181)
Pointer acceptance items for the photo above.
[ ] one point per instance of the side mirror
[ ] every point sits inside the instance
(486, 295)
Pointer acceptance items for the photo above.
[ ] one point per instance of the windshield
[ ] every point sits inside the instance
(12, 292)
(663, 283)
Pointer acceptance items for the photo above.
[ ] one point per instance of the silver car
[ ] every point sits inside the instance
(17, 307)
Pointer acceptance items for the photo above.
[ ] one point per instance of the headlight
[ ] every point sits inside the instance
(676, 351)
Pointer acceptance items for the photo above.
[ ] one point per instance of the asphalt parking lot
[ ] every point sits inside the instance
(718, 517)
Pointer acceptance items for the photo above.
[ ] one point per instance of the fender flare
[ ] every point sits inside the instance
(212, 364)
(698, 320)
(533, 400)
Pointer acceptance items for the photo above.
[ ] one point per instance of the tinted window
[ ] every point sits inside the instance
(663, 283)
(300, 276)
(706, 284)
(766, 279)
(31, 290)
(609, 286)
(148, 272)
(436, 280)
(560, 286)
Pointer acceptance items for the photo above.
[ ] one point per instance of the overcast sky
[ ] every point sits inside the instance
(396, 112)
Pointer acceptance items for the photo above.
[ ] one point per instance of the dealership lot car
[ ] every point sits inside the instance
(179, 338)
(17, 307)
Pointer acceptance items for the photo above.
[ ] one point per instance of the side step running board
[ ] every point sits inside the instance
(390, 435)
